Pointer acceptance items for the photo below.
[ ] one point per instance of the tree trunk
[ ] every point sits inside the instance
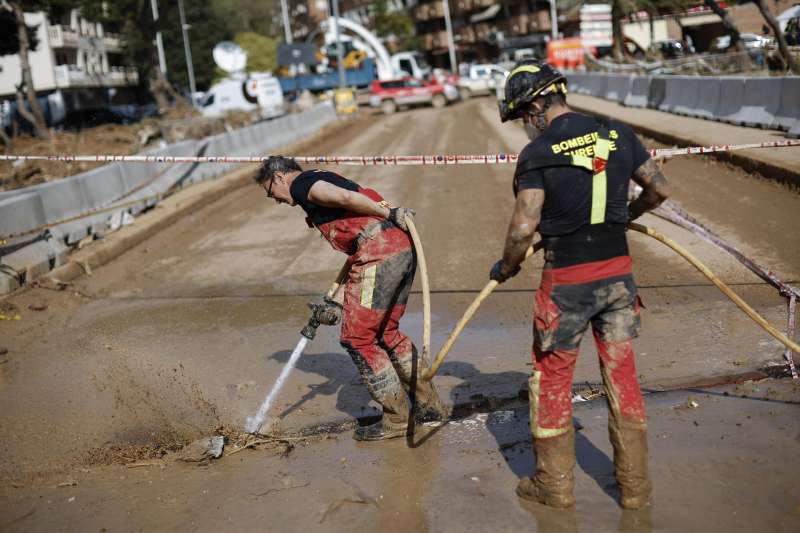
(788, 60)
(727, 23)
(157, 87)
(618, 44)
(7, 143)
(39, 124)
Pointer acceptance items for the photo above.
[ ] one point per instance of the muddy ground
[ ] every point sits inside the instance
(185, 334)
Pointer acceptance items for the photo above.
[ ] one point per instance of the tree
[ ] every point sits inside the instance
(395, 26)
(727, 23)
(238, 16)
(21, 41)
(205, 32)
(788, 60)
(262, 52)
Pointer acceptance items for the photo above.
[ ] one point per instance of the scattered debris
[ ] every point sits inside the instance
(203, 449)
(68, 483)
(3, 350)
(145, 463)
(72, 499)
(360, 497)
(287, 485)
(38, 306)
(688, 404)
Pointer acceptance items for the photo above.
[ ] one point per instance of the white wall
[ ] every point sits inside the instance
(42, 61)
(640, 31)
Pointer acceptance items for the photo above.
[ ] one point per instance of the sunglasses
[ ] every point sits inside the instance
(269, 189)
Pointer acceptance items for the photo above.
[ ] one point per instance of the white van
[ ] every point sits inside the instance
(260, 91)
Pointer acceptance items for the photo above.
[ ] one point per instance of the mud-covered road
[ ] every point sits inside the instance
(186, 332)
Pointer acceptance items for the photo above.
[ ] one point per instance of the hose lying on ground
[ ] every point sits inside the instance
(749, 311)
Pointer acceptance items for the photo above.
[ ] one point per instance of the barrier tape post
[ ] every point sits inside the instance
(790, 334)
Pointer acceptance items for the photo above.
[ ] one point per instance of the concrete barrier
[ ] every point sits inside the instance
(787, 115)
(655, 93)
(25, 209)
(618, 87)
(21, 212)
(731, 98)
(688, 95)
(762, 97)
(637, 96)
(597, 85)
(676, 94)
(708, 98)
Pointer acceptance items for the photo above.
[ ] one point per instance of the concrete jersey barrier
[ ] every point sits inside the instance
(768, 102)
(26, 209)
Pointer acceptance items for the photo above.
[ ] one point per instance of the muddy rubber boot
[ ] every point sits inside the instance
(390, 426)
(630, 461)
(553, 483)
(385, 388)
(428, 406)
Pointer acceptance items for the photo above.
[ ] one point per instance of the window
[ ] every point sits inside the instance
(405, 66)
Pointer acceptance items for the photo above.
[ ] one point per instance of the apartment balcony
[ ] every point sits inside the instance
(466, 35)
(460, 7)
(434, 40)
(476, 4)
(112, 42)
(539, 20)
(62, 37)
(482, 31)
(74, 77)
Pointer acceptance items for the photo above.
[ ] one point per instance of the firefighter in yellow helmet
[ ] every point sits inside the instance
(571, 186)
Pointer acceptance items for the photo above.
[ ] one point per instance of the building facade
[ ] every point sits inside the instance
(73, 56)
(482, 29)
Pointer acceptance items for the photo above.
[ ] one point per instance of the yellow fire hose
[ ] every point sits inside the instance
(426, 289)
(487, 290)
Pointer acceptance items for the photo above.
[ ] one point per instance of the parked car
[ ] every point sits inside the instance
(408, 91)
(751, 41)
(668, 48)
(480, 80)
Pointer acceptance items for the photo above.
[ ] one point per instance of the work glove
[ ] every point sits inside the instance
(329, 312)
(398, 215)
(497, 272)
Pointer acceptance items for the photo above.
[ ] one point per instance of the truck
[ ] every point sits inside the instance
(259, 91)
(360, 78)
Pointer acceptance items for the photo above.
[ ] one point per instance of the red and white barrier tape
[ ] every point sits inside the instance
(370, 160)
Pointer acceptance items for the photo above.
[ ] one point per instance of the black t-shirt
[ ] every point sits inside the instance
(318, 214)
(568, 189)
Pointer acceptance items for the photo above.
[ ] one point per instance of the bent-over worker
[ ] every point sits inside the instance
(571, 184)
(381, 260)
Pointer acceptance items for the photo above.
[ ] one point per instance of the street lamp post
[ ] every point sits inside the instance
(187, 50)
(339, 59)
(450, 43)
(285, 14)
(553, 20)
(162, 61)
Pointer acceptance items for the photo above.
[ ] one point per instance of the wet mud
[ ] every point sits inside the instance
(186, 332)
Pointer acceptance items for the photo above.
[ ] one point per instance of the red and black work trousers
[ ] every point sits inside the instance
(600, 293)
(375, 295)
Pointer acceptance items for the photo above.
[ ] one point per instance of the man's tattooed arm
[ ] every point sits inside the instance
(655, 187)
